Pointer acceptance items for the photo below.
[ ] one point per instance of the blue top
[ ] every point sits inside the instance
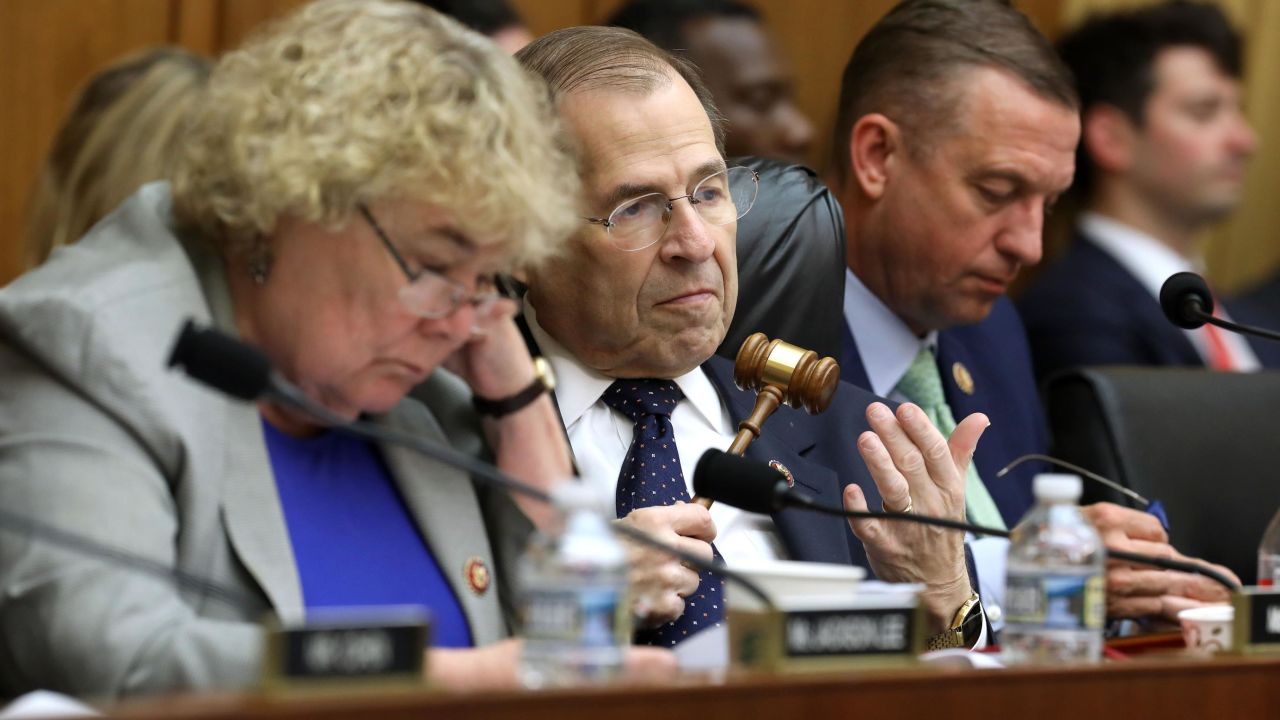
(353, 539)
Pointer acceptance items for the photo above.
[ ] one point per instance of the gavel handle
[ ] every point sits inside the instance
(748, 430)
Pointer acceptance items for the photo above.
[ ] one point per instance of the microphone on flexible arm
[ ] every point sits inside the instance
(242, 371)
(756, 487)
(1187, 303)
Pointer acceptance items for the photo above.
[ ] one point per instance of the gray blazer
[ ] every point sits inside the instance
(98, 437)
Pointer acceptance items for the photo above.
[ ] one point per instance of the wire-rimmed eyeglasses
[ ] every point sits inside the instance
(430, 294)
(719, 199)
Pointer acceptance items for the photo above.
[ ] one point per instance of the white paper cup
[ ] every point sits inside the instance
(786, 581)
(1207, 630)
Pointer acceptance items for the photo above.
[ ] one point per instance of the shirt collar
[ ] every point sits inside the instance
(1146, 258)
(885, 343)
(579, 387)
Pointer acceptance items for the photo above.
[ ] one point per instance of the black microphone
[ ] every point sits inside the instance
(208, 355)
(755, 487)
(749, 485)
(1187, 303)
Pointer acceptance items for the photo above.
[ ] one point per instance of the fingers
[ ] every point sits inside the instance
(925, 439)
(660, 596)
(964, 440)
(908, 458)
(1134, 524)
(894, 488)
(660, 582)
(866, 529)
(684, 519)
(1127, 582)
(491, 314)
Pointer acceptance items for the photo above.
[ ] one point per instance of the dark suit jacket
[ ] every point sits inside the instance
(819, 450)
(1086, 309)
(995, 354)
(821, 453)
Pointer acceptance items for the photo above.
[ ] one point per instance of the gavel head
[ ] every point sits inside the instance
(805, 380)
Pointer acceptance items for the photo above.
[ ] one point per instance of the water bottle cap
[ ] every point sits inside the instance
(1057, 487)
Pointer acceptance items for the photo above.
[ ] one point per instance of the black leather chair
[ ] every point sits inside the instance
(790, 262)
(1207, 444)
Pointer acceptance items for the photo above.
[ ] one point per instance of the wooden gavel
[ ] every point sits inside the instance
(780, 373)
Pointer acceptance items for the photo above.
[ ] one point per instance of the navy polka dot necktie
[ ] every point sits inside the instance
(651, 475)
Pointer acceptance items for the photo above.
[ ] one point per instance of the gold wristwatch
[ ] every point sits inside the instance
(966, 627)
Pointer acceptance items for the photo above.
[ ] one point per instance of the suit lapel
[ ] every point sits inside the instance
(251, 508)
(851, 368)
(443, 503)
(784, 439)
(1011, 493)
(253, 516)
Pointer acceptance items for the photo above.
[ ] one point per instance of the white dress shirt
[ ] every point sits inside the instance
(600, 437)
(887, 348)
(1152, 262)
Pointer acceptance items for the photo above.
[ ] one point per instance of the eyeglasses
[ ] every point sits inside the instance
(430, 294)
(719, 199)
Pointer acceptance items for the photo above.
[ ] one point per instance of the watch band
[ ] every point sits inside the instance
(542, 382)
(957, 636)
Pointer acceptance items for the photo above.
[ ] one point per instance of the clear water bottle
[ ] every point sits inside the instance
(1055, 601)
(1269, 555)
(574, 608)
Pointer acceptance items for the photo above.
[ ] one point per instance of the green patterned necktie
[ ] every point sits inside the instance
(922, 385)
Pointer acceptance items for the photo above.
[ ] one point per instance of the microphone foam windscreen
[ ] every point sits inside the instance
(739, 482)
(221, 362)
(1176, 291)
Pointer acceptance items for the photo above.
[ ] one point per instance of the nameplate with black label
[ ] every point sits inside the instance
(346, 649)
(799, 640)
(1256, 625)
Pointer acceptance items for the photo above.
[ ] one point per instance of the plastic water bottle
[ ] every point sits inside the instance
(1055, 601)
(575, 612)
(1269, 555)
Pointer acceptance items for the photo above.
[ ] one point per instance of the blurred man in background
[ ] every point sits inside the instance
(495, 19)
(744, 69)
(1163, 156)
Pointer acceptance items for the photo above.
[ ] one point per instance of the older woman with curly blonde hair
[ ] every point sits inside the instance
(354, 179)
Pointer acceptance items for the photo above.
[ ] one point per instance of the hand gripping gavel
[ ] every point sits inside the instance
(780, 373)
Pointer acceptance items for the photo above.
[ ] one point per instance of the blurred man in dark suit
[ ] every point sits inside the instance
(746, 72)
(1163, 155)
(956, 132)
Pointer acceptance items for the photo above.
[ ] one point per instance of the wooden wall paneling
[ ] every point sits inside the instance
(49, 50)
(239, 18)
(1246, 249)
(543, 16)
(197, 25)
(818, 36)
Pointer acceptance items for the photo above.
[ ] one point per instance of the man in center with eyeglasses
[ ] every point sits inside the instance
(630, 316)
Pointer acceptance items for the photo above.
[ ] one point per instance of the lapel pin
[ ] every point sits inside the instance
(963, 379)
(791, 480)
(477, 574)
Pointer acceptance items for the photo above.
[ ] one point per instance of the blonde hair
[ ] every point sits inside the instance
(353, 101)
(120, 134)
